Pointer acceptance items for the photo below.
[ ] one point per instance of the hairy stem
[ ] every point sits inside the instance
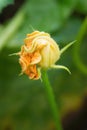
(51, 100)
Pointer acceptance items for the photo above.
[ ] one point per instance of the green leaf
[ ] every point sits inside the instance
(4, 3)
(66, 7)
(43, 17)
(49, 18)
(82, 6)
(69, 31)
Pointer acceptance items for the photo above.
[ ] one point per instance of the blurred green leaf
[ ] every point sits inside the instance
(4, 3)
(69, 31)
(82, 6)
(43, 17)
(66, 7)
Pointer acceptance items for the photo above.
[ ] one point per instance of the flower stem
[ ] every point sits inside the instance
(51, 100)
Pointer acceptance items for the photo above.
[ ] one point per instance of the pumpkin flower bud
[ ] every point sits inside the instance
(39, 51)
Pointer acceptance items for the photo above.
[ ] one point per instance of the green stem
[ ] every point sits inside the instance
(11, 28)
(51, 100)
(76, 51)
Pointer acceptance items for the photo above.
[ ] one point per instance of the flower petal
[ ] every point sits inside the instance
(36, 58)
(38, 76)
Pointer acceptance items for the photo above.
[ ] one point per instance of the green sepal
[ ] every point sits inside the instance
(61, 67)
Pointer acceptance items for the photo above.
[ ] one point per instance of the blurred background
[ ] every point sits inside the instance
(23, 102)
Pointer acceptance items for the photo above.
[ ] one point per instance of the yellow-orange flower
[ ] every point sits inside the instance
(39, 51)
